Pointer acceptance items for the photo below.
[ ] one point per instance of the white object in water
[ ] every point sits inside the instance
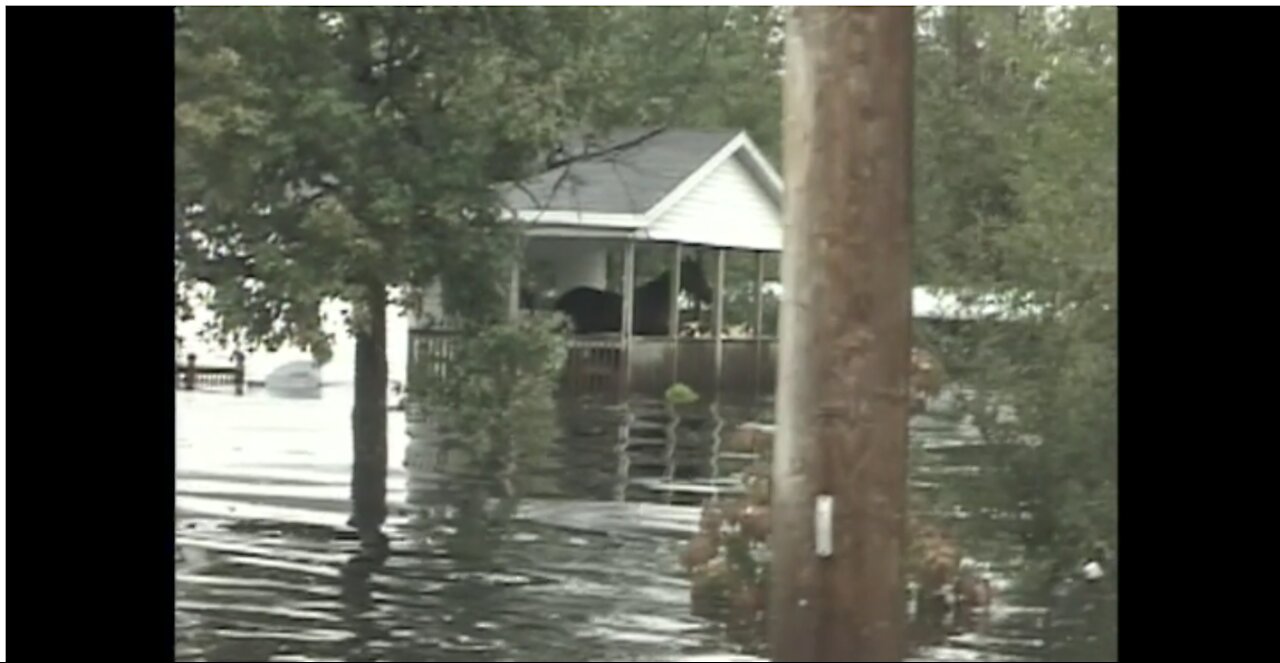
(1092, 571)
(297, 376)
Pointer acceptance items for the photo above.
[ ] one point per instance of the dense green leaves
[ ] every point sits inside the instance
(1016, 190)
(326, 154)
(320, 151)
(497, 393)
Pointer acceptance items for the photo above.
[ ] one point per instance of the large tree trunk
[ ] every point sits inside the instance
(369, 420)
(839, 470)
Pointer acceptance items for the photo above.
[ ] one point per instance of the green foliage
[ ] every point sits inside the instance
(498, 394)
(321, 152)
(1015, 164)
(680, 394)
(1016, 191)
(701, 67)
(354, 153)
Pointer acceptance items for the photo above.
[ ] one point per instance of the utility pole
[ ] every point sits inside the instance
(840, 463)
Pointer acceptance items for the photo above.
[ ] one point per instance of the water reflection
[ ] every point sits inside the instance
(568, 550)
(502, 555)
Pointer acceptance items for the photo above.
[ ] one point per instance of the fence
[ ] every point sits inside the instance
(191, 375)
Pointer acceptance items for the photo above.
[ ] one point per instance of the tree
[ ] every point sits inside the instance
(352, 154)
(1017, 192)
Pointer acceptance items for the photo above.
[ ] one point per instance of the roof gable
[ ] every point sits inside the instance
(726, 207)
(625, 181)
(712, 188)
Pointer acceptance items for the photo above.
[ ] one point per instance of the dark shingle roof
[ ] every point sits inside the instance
(625, 181)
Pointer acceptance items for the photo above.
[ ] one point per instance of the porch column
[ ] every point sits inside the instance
(758, 326)
(513, 292)
(674, 312)
(718, 316)
(628, 309)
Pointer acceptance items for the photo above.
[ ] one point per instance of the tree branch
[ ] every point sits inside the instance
(618, 147)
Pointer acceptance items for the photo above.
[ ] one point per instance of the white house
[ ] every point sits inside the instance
(678, 188)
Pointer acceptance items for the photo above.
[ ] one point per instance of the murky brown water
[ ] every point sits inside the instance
(571, 556)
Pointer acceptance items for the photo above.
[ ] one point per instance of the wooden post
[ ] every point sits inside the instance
(674, 312)
(839, 471)
(628, 310)
(189, 380)
(513, 292)
(758, 323)
(238, 357)
(717, 321)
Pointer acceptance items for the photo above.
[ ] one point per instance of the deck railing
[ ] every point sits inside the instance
(596, 363)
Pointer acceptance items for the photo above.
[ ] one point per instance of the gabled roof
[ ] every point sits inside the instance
(633, 178)
(625, 181)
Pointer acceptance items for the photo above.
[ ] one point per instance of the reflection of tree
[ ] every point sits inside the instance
(471, 488)
(1082, 621)
(622, 478)
(672, 432)
(716, 439)
(358, 605)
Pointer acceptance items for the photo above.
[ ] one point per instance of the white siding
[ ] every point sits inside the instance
(727, 208)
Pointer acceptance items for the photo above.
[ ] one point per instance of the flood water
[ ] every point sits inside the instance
(570, 554)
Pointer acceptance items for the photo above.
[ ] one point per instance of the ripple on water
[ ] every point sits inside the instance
(269, 571)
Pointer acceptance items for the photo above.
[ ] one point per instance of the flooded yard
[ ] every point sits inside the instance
(573, 555)
(265, 572)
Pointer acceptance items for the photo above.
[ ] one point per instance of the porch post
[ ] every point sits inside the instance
(628, 309)
(758, 326)
(718, 319)
(513, 292)
(674, 313)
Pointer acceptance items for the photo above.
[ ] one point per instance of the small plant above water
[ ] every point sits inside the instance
(680, 394)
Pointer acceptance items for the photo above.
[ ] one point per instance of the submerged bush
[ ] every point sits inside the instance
(497, 393)
(680, 394)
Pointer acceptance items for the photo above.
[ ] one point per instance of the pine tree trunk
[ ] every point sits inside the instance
(369, 421)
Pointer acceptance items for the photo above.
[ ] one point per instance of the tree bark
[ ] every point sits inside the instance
(369, 420)
(843, 393)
